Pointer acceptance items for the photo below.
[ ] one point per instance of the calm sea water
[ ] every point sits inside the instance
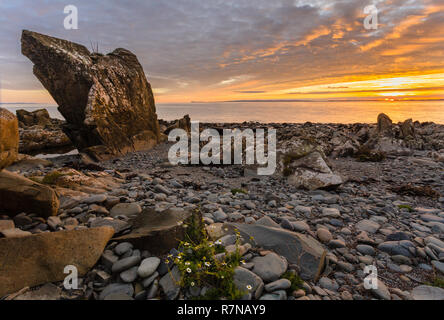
(292, 112)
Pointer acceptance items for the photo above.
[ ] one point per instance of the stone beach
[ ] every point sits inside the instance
(343, 197)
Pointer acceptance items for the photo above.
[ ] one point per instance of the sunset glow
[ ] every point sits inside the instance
(237, 50)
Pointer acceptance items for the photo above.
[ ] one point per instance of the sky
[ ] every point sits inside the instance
(225, 50)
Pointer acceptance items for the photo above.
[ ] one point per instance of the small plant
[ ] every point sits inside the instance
(405, 206)
(287, 172)
(296, 281)
(35, 179)
(365, 154)
(410, 190)
(51, 178)
(236, 191)
(199, 266)
(437, 282)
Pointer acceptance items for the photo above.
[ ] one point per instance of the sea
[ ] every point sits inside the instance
(346, 112)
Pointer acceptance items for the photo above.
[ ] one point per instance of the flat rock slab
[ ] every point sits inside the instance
(428, 293)
(27, 195)
(269, 267)
(304, 251)
(125, 209)
(42, 258)
(170, 284)
(368, 226)
(48, 292)
(157, 232)
(118, 225)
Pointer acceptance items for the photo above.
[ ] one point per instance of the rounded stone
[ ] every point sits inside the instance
(125, 209)
(270, 267)
(123, 248)
(324, 235)
(129, 275)
(148, 267)
(281, 284)
(300, 226)
(125, 264)
(366, 249)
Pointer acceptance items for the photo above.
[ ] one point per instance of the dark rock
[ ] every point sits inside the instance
(169, 284)
(398, 236)
(298, 249)
(117, 289)
(407, 129)
(385, 125)
(27, 195)
(157, 232)
(184, 123)
(36, 118)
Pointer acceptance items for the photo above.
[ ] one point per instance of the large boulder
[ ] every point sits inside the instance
(9, 138)
(407, 129)
(38, 131)
(390, 139)
(385, 125)
(184, 123)
(38, 259)
(298, 249)
(306, 166)
(106, 99)
(19, 194)
(312, 172)
(37, 138)
(36, 118)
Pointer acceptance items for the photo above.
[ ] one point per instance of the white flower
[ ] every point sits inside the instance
(187, 263)
(218, 242)
(249, 287)
(207, 264)
(192, 284)
(188, 270)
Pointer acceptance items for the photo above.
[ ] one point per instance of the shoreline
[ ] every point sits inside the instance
(301, 113)
(389, 213)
